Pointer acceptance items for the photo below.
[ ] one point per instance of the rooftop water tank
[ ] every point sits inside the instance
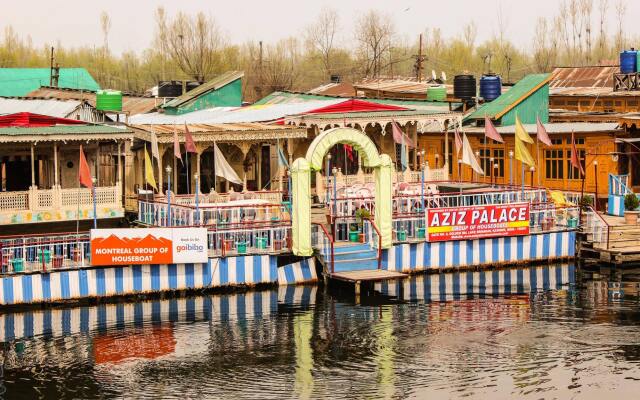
(109, 100)
(437, 93)
(490, 87)
(464, 87)
(628, 61)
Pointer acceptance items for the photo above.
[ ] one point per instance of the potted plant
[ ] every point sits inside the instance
(631, 203)
(362, 214)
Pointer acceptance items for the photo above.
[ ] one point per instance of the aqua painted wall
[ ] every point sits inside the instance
(536, 104)
(228, 96)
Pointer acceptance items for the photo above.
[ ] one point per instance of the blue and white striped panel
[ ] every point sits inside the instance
(232, 308)
(452, 286)
(299, 272)
(430, 255)
(615, 205)
(125, 280)
(244, 270)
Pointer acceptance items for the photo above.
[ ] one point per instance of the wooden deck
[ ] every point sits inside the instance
(368, 275)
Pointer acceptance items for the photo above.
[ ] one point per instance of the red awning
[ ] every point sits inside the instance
(354, 105)
(30, 120)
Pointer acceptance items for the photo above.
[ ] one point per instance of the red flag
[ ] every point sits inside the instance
(189, 146)
(490, 131)
(542, 134)
(458, 142)
(84, 173)
(575, 160)
(349, 150)
(399, 136)
(176, 146)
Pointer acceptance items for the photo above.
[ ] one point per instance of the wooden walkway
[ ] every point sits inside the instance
(370, 275)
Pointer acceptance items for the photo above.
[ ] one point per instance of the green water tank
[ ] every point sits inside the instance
(437, 93)
(109, 100)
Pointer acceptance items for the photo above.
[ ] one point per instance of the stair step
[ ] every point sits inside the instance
(356, 254)
(356, 265)
(351, 248)
(357, 260)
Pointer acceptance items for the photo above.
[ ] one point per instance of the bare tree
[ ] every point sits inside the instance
(469, 33)
(374, 32)
(602, 39)
(105, 24)
(621, 11)
(322, 37)
(586, 7)
(193, 42)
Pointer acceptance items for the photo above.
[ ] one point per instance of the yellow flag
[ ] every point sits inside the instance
(522, 137)
(522, 133)
(148, 170)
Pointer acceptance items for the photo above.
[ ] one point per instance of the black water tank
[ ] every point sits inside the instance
(192, 85)
(464, 87)
(169, 88)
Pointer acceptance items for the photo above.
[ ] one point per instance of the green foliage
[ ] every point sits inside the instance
(631, 202)
(361, 215)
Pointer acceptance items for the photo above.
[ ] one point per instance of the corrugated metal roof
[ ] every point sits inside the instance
(20, 81)
(521, 90)
(558, 128)
(62, 130)
(162, 128)
(214, 84)
(230, 115)
(395, 85)
(583, 77)
(130, 103)
(295, 97)
(341, 89)
(592, 92)
(53, 108)
(373, 114)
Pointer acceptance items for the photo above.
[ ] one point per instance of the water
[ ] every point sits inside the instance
(548, 332)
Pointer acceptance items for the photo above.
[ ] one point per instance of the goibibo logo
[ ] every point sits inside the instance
(190, 247)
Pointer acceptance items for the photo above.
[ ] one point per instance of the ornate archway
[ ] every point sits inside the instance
(301, 184)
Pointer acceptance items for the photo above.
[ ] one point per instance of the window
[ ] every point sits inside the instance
(485, 161)
(618, 103)
(554, 163)
(572, 102)
(585, 103)
(498, 155)
(556, 141)
(557, 102)
(632, 102)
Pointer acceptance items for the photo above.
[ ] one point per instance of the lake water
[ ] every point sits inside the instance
(544, 332)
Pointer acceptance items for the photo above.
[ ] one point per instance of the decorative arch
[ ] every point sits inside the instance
(353, 137)
(301, 184)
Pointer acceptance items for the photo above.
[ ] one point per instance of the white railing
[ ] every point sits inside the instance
(14, 201)
(595, 226)
(404, 204)
(154, 213)
(258, 240)
(547, 218)
(409, 228)
(272, 196)
(43, 253)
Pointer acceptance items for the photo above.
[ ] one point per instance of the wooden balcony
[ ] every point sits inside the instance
(58, 205)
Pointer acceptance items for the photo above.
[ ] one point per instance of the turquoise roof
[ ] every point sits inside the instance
(22, 81)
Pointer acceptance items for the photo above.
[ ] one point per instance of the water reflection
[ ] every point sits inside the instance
(524, 332)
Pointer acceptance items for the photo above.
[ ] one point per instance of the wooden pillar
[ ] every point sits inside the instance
(174, 186)
(119, 165)
(55, 164)
(97, 174)
(160, 169)
(33, 166)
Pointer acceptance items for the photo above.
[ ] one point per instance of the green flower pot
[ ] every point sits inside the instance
(421, 232)
(17, 264)
(242, 247)
(353, 236)
(401, 236)
(261, 242)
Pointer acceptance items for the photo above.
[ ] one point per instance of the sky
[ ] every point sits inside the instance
(76, 22)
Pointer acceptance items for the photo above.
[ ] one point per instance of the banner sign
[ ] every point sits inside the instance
(476, 222)
(149, 246)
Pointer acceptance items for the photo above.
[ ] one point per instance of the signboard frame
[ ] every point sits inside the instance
(145, 246)
(477, 222)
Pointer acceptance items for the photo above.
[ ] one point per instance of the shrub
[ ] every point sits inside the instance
(631, 202)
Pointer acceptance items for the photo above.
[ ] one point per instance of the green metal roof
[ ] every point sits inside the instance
(21, 81)
(214, 84)
(518, 93)
(63, 130)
